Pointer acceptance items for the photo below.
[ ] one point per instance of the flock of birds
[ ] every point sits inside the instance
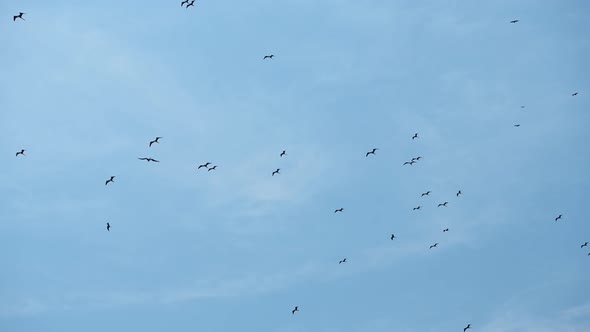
(210, 167)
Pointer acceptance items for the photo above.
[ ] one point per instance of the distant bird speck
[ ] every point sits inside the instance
(443, 204)
(149, 159)
(284, 153)
(20, 15)
(371, 152)
(517, 125)
(268, 57)
(434, 246)
(339, 210)
(204, 165)
(108, 227)
(212, 168)
(415, 136)
(183, 3)
(445, 230)
(584, 245)
(416, 208)
(426, 193)
(467, 327)
(459, 193)
(295, 309)
(558, 217)
(342, 261)
(112, 179)
(276, 172)
(392, 237)
(157, 140)
(192, 3)
(514, 21)
(21, 152)
(574, 94)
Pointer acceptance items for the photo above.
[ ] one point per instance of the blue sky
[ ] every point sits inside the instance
(86, 85)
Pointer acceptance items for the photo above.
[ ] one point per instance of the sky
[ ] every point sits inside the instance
(86, 85)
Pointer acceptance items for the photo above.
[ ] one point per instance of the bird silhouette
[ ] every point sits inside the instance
(371, 152)
(459, 193)
(517, 125)
(584, 245)
(416, 158)
(467, 327)
(192, 3)
(157, 140)
(21, 152)
(276, 172)
(20, 15)
(108, 227)
(268, 57)
(434, 246)
(392, 237)
(443, 204)
(295, 309)
(339, 210)
(149, 159)
(204, 165)
(514, 21)
(112, 179)
(558, 217)
(284, 153)
(426, 193)
(415, 136)
(445, 230)
(416, 208)
(183, 3)
(574, 94)
(342, 261)
(212, 168)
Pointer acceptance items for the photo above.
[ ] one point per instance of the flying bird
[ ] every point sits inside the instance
(21, 152)
(558, 217)
(276, 172)
(416, 158)
(192, 3)
(584, 245)
(459, 193)
(183, 3)
(416, 208)
(574, 94)
(426, 193)
(295, 309)
(284, 153)
(445, 230)
(342, 261)
(443, 204)
(157, 140)
(392, 237)
(434, 246)
(212, 168)
(415, 136)
(112, 179)
(339, 210)
(517, 125)
(204, 165)
(268, 57)
(371, 152)
(20, 15)
(149, 159)
(514, 21)
(467, 327)
(108, 227)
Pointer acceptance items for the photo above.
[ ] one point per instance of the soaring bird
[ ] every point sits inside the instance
(426, 193)
(22, 151)
(339, 210)
(416, 208)
(459, 193)
(276, 172)
(20, 15)
(157, 140)
(212, 168)
(112, 179)
(573, 94)
(183, 3)
(434, 245)
(204, 165)
(445, 230)
(284, 153)
(443, 204)
(371, 152)
(467, 327)
(108, 227)
(268, 57)
(584, 245)
(342, 261)
(392, 237)
(192, 3)
(295, 309)
(558, 217)
(149, 159)
(416, 158)
(415, 136)
(514, 21)
(517, 125)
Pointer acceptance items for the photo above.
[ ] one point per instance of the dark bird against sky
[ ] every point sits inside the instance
(558, 217)
(108, 227)
(268, 57)
(339, 210)
(371, 152)
(284, 153)
(112, 179)
(443, 204)
(20, 15)
(149, 159)
(157, 140)
(295, 309)
(204, 165)
(276, 172)
(434, 246)
(467, 327)
(21, 152)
